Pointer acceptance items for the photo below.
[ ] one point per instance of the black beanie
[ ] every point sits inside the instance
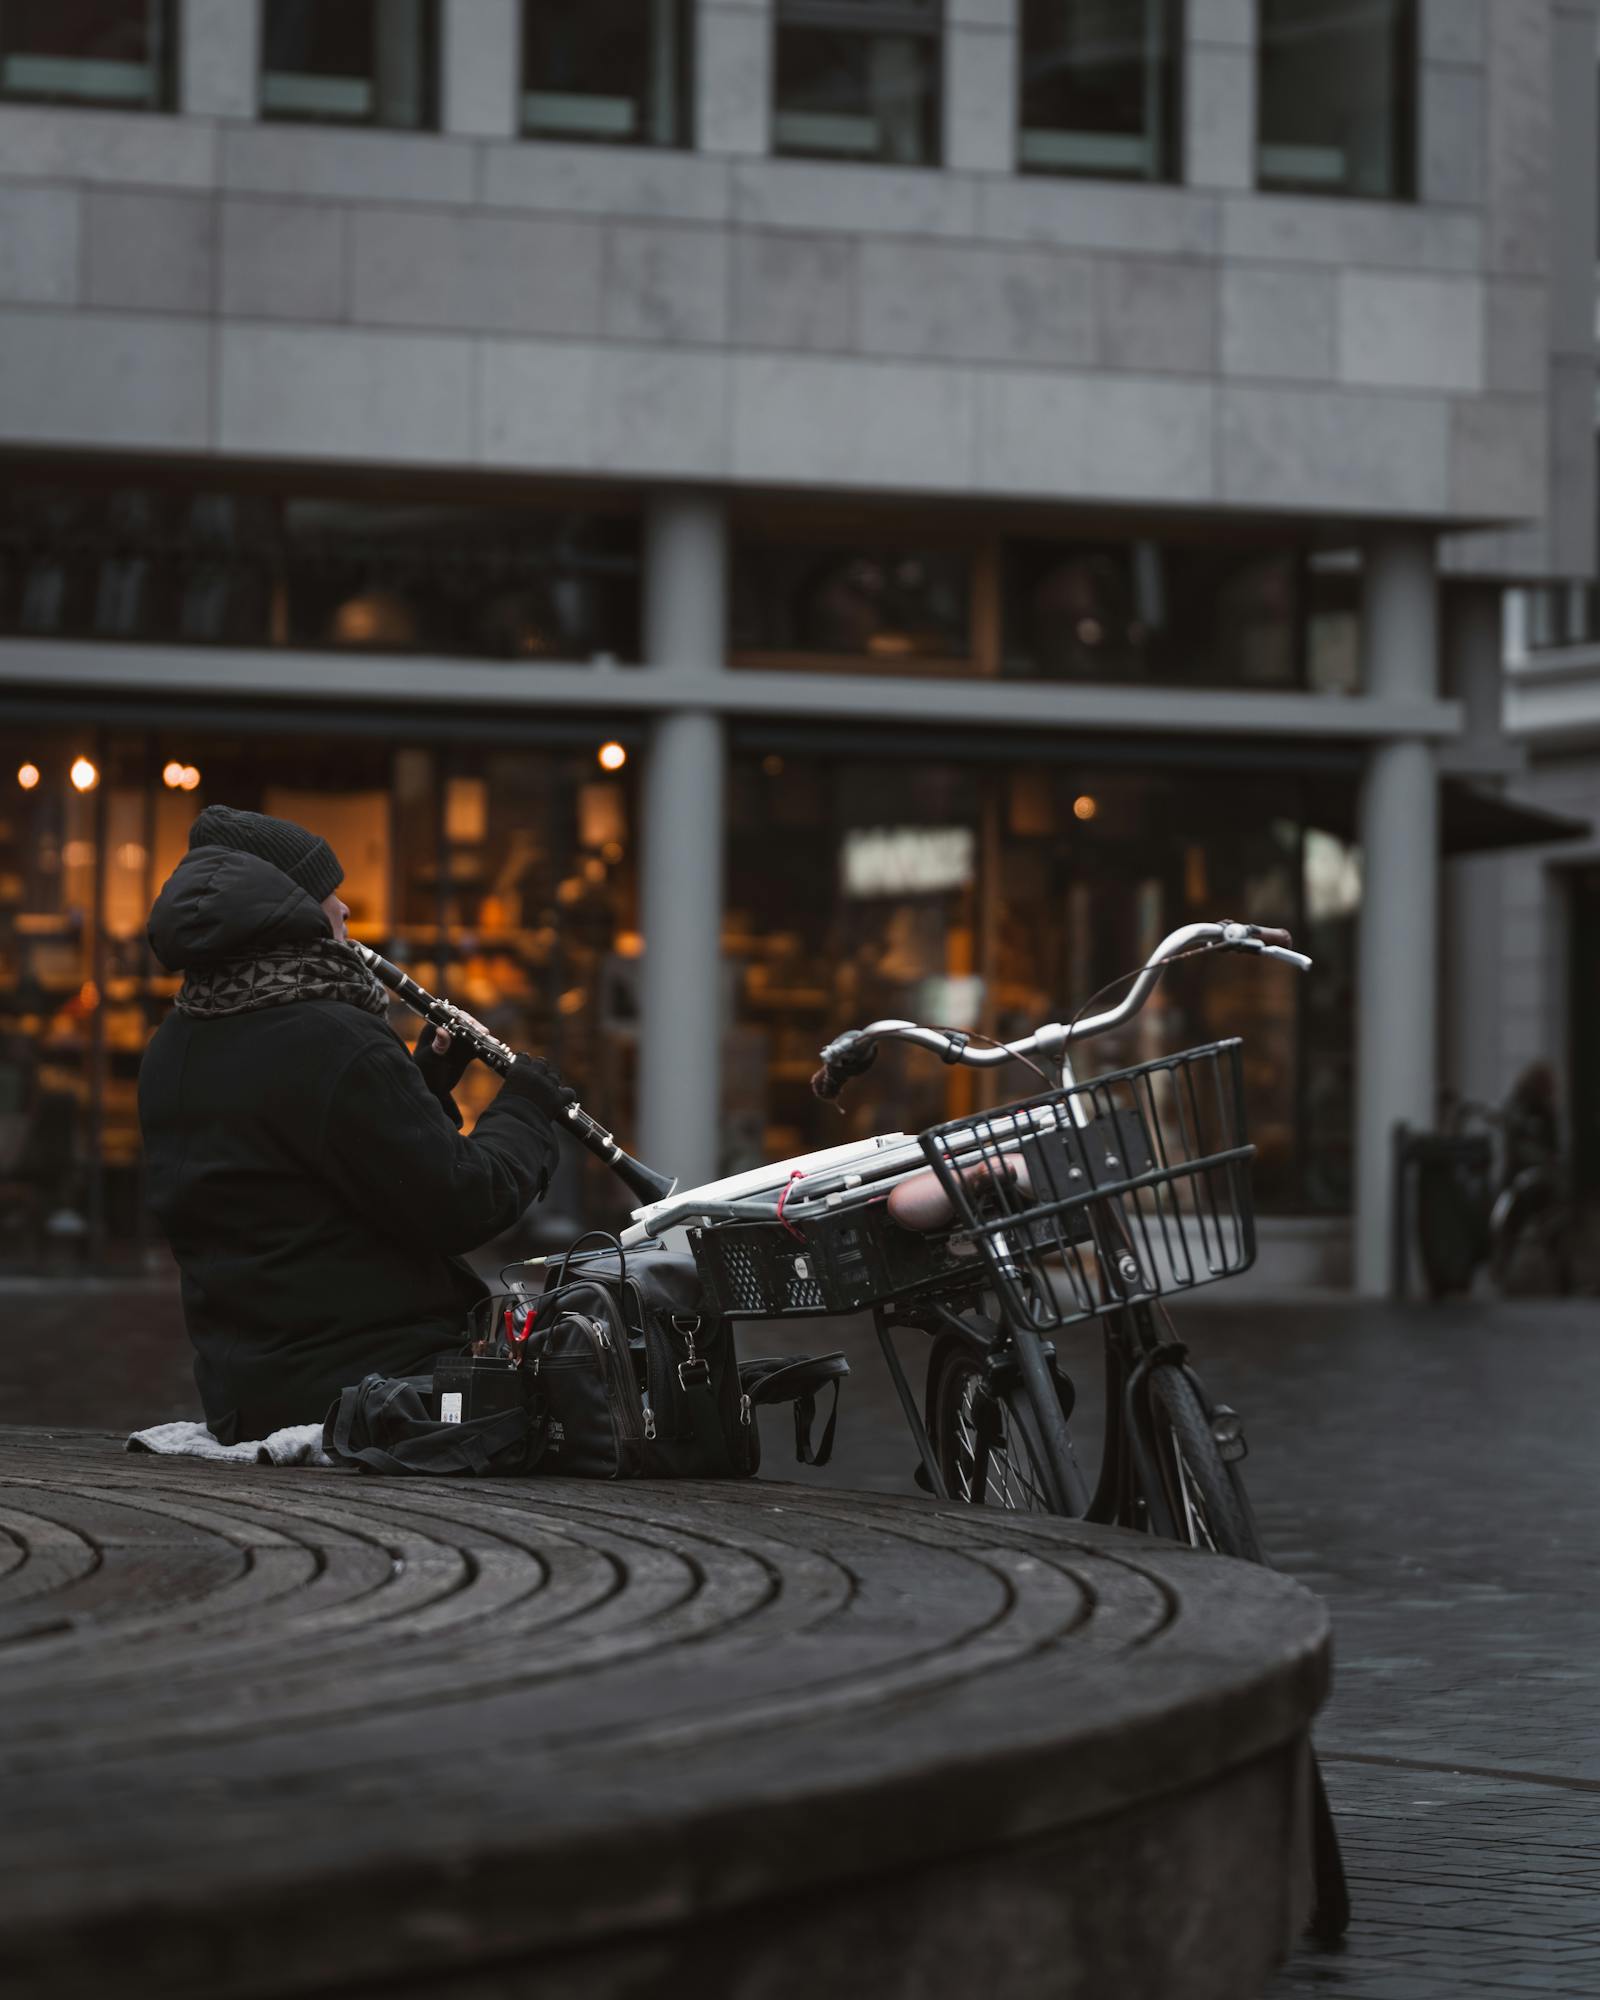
(304, 857)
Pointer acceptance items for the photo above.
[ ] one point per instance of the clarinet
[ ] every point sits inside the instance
(639, 1179)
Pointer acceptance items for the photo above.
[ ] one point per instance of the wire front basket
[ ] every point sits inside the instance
(1129, 1186)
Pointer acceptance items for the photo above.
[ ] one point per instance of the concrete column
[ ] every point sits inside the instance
(219, 58)
(1474, 932)
(1397, 983)
(481, 49)
(681, 841)
(732, 70)
(1219, 94)
(980, 87)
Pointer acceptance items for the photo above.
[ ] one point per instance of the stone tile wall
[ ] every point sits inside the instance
(466, 298)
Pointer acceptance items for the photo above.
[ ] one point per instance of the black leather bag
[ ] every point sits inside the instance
(637, 1380)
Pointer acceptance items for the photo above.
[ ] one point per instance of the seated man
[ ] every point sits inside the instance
(307, 1170)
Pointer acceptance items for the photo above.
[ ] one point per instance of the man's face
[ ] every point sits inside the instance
(338, 915)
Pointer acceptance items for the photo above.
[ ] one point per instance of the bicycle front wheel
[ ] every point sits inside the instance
(987, 1443)
(1201, 1492)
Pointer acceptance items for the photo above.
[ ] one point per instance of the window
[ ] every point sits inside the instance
(613, 71)
(1168, 616)
(992, 896)
(500, 872)
(882, 607)
(1099, 85)
(320, 569)
(117, 53)
(858, 80)
(1338, 97)
(362, 62)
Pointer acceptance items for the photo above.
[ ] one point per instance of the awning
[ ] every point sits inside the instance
(1473, 820)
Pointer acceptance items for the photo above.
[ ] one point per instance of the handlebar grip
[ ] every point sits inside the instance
(850, 1058)
(826, 1083)
(1268, 936)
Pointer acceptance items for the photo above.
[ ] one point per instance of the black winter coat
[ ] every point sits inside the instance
(314, 1191)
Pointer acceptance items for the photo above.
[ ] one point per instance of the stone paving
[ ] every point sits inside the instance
(1430, 1471)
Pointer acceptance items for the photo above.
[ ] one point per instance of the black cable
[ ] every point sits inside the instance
(1127, 978)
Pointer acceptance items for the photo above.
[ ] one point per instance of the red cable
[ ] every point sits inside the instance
(797, 1175)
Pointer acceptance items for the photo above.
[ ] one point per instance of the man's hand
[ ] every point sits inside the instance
(533, 1077)
(443, 1059)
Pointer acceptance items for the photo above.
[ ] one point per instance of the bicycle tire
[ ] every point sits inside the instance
(987, 1444)
(1202, 1491)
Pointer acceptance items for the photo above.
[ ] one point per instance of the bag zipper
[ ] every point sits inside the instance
(618, 1371)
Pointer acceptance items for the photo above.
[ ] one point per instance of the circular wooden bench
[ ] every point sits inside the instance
(277, 1732)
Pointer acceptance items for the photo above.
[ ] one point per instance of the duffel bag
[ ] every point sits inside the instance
(393, 1424)
(637, 1380)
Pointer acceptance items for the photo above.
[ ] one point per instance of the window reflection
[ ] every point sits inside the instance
(1337, 111)
(502, 878)
(1139, 611)
(262, 569)
(106, 52)
(616, 71)
(361, 62)
(1100, 87)
(995, 897)
(889, 605)
(858, 82)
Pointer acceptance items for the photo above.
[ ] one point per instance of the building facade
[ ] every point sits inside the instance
(739, 517)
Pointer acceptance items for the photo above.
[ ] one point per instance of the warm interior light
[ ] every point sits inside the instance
(188, 778)
(612, 756)
(1084, 807)
(83, 774)
(772, 765)
(27, 776)
(172, 775)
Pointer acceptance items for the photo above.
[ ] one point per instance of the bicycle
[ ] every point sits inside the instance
(992, 1232)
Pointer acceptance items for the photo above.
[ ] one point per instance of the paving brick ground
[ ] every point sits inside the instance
(1432, 1472)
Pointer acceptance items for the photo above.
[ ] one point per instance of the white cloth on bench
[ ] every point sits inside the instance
(295, 1444)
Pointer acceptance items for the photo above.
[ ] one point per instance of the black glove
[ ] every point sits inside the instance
(441, 1073)
(532, 1077)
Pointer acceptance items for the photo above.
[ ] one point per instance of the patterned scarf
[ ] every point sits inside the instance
(326, 970)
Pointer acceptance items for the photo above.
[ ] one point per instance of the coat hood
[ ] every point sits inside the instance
(221, 903)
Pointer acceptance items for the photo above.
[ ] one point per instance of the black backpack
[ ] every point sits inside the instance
(635, 1379)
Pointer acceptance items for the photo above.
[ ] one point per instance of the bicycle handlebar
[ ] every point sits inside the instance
(851, 1053)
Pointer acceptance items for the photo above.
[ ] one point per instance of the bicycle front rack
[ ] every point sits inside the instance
(1128, 1186)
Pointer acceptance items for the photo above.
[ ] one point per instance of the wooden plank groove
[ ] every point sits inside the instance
(293, 1709)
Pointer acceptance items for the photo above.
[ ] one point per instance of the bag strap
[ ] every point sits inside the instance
(798, 1378)
(805, 1415)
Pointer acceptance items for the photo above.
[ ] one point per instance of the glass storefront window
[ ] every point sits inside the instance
(992, 898)
(504, 878)
(1169, 616)
(615, 71)
(115, 53)
(1100, 88)
(899, 606)
(245, 568)
(362, 62)
(1337, 97)
(858, 80)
